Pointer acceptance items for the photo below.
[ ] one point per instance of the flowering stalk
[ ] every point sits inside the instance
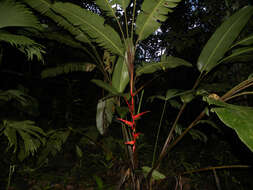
(132, 123)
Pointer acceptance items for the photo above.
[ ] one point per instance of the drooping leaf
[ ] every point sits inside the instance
(236, 54)
(222, 39)
(26, 45)
(44, 7)
(244, 42)
(239, 118)
(92, 24)
(156, 175)
(67, 68)
(168, 62)
(105, 86)
(153, 12)
(15, 14)
(120, 77)
(105, 111)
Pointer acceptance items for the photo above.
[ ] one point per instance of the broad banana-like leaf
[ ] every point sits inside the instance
(222, 39)
(168, 62)
(153, 12)
(239, 118)
(120, 76)
(92, 24)
(244, 42)
(67, 68)
(235, 54)
(105, 111)
(15, 14)
(105, 86)
(109, 6)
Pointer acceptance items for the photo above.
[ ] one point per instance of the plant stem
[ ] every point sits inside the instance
(214, 168)
(132, 26)
(158, 132)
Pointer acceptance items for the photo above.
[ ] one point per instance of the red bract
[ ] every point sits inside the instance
(132, 123)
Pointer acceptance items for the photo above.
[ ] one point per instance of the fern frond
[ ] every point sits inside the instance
(31, 135)
(153, 13)
(67, 68)
(15, 14)
(92, 24)
(26, 45)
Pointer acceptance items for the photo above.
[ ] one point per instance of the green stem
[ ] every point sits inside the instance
(132, 26)
(158, 133)
(11, 171)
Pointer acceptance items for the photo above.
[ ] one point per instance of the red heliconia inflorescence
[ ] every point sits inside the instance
(132, 123)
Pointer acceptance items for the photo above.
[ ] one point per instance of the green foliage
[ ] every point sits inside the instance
(155, 175)
(67, 68)
(120, 77)
(31, 135)
(153, 12)
(92, 24)
(109, 8)
(239, 118)
(222, 39)
(165, 63)
(16, 14)
(54, 143)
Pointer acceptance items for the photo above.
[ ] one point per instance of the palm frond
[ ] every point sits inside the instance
(153, 13)
(31, 135)
(15, 14)
(92, 24)
(44, 7)
(67, 68)
(26, 45)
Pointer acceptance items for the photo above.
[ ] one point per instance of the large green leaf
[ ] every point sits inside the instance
(92, 24)
(105, 111)
(67, 68)
(105, 86)
(15, 14)
(120, 76)
(239, 118)
(153, 13)
(222, 39)
(168, 62)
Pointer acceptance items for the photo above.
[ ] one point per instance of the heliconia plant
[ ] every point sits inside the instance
(90, 32)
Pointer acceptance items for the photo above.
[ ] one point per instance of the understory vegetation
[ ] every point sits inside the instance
(126, 94)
